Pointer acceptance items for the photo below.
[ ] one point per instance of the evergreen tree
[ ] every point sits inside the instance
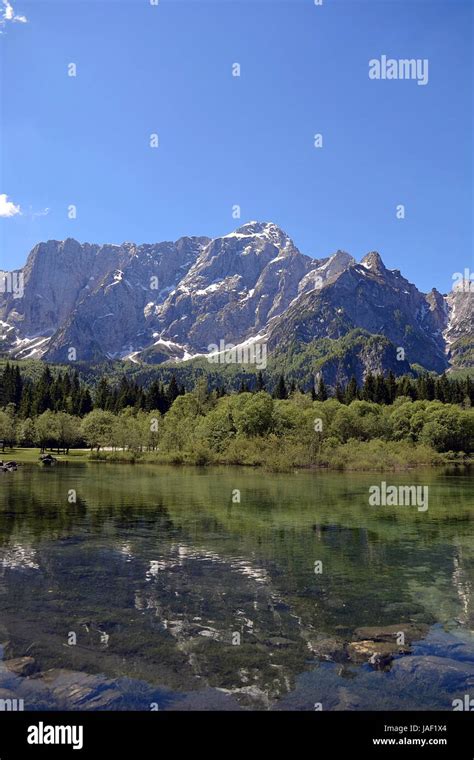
(42, 393)
(112, 404)
(67, 385)
(368, 389)
(26, 401)
(57, 393)
(102, 394)
(405, 387)
(280, 390)
(11, 386)
(127, 393)
(391, 384)
(351, 392)
(173, 391)
(443, 390)
(339, 393)
(430, 388)
(322, 391)
(17, 387)
(381, 390)
(155, 397)
(85, 403)
(140, 401)
(469, 389)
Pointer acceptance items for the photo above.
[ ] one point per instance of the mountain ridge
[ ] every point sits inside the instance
(157, 302)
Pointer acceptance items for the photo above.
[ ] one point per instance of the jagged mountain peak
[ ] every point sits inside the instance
(340, 260)
(373, 261)
(56, 245)
(268, 231)
(257, 228)
(435, 297)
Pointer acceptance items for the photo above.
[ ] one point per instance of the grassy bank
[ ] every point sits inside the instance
(32, 455)
(269, 454)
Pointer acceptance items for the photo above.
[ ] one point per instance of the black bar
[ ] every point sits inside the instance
(154, 734)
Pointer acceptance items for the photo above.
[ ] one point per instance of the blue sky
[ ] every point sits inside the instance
(247, 140)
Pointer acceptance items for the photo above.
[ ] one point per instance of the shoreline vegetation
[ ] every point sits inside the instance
(356, 456)
(257, 431)
(371, 456)
(375, 427)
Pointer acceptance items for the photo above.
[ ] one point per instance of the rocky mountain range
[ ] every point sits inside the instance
(170, 301)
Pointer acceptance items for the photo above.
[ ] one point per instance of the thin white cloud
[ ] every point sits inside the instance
(7, 208)
(8, 14)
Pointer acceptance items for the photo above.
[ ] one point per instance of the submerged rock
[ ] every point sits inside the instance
(8, 466)
(7, 694)
(348, 700)
(279, 641)
(454, 645)
(21, 666)
(327, 649)
(48, 459)
(435, 672)
(378, 653)
(81, 690)
(411, 632)
(250, 696)
(5, 651)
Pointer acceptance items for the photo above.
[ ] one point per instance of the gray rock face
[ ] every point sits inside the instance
(237, 284)
(458, 332)
(367, 296)
(94, 299)
(172, 300)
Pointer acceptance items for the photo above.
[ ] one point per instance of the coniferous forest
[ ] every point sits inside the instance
(65, 392)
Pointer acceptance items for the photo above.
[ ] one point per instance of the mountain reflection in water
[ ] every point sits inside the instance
(180, 599)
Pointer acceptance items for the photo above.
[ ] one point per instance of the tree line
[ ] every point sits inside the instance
(385, 389)
(211, 426)
(65, 392)
(237, 426)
